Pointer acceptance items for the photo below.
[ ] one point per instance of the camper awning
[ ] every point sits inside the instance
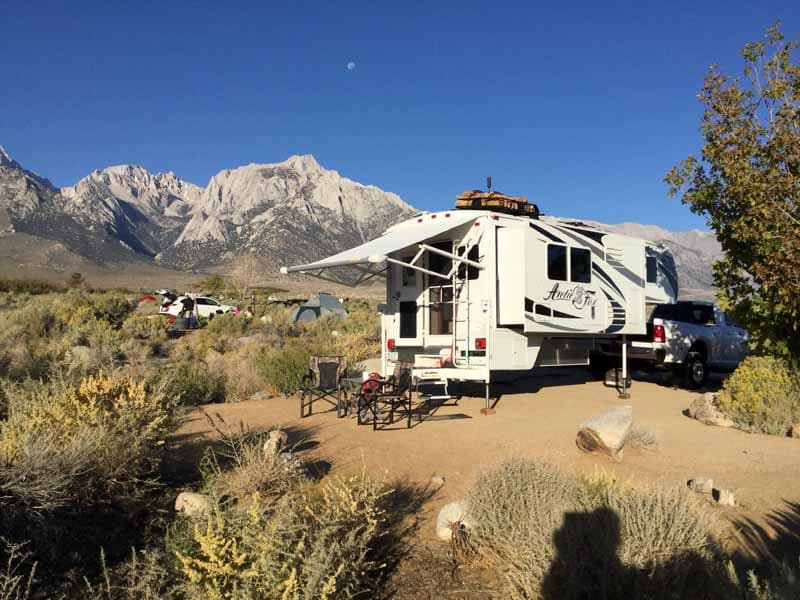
(368, 256)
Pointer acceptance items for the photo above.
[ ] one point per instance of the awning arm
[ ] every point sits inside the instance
(350, 262)
(451, 256)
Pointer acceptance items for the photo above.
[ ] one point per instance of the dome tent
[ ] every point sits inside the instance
(316, 307)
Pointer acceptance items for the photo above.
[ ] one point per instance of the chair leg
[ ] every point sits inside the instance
(408, 423)
(302, 404)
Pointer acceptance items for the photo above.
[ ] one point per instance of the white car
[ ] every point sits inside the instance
(204, 307)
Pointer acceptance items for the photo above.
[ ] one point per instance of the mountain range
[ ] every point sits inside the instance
(284, 213)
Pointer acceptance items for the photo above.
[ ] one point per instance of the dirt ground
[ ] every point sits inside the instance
(539, 418)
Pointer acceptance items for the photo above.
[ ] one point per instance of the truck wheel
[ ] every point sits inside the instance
(695, 370)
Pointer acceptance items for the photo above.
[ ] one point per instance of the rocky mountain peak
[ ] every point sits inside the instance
(5, 159)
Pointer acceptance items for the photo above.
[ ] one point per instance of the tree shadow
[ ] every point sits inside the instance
(775, 539)
(402, 507)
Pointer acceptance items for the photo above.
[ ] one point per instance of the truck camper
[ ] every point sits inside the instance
(494, 286)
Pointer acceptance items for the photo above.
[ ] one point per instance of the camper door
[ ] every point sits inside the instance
(407, 288)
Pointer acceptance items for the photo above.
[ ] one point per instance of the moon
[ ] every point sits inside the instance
(351, 65)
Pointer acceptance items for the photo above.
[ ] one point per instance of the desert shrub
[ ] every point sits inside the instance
(242, 471)
(146, 327)
(538, 525)
(65, 444)
(28, 286)
(763, 394)
(16, 575)
(782, 583)
(277, 320)
(239, 370)
(146, 575)
(228, 325)
(642, 437)
(284, 369)
(314, 542)
(192, 384)
(112, 308)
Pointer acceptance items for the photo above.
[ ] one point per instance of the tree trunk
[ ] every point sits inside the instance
(606, 432)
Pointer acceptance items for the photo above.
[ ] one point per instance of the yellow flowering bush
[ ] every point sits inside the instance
(763, 394)
(313, 543)
(81, 441)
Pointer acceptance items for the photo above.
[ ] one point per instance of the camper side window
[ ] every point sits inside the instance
(465, 271)
(580, 265)
(557, 262)
(408, 275)
(652, 269)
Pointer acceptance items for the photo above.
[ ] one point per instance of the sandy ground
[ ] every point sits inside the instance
(541, 422)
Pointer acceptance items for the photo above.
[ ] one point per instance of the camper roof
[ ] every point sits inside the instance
(368, 258)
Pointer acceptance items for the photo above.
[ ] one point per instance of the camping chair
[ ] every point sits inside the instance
(380, 399)
(323, 382)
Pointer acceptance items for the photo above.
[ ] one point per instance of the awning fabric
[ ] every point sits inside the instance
(394, 240)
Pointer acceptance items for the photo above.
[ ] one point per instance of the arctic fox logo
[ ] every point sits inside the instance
(578, 295)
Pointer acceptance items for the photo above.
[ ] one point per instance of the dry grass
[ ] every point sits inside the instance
(641, 437)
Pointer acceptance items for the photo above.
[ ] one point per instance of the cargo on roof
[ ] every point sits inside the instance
(495, 201)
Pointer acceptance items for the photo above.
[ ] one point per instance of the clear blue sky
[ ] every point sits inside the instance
(581, 107)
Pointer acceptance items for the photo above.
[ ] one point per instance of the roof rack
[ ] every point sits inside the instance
(495, 201)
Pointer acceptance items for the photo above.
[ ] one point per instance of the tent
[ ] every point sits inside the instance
(316, 307)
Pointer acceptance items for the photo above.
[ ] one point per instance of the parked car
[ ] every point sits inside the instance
(204, 306)
(690, 337)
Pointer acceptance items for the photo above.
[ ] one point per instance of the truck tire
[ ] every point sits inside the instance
(695, 370)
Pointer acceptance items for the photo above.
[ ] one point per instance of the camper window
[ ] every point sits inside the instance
(467, 271)
(580, 265)
(557, 262)
(440, 292)
(408, 276)
(652, 269)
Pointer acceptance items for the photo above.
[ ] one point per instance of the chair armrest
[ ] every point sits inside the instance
(307, 380)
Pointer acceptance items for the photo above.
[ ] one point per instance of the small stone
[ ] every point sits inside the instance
(794, 431)
(701, 485)
(276, 441)
(454, 512)
(193, 504)
(724, 498)
(437, 480)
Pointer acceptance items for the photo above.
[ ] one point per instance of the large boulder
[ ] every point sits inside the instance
(606, 433)
(454, 512)
(193, 504)
(706, 410)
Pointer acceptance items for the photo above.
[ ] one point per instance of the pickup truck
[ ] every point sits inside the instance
(690, 337)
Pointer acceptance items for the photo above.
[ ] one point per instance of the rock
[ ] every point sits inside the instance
(724, 498)
(276, 441)
(701, 485)
(705, 409)
(437, 480)
(193, 504)
(794, 431)
(293, 464)
(606, 432)
(455, 512)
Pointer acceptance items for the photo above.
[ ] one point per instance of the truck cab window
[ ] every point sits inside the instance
(580, 265)
(652, 269)
(557, 262)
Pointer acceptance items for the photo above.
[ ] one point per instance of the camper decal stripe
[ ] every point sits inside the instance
(597, 236)
(547, 234)
(606, 278)
(588, 244)
(576, 235)
(618, 315)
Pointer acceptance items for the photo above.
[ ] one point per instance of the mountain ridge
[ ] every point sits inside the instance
(285, 212)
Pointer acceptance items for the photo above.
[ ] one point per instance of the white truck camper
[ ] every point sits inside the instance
(475, 292)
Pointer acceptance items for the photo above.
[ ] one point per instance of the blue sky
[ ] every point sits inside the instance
(582, 107)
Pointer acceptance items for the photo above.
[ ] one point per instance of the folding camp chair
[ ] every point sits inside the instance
(323, 382)
(379, 400)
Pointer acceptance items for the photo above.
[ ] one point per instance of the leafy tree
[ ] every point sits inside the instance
(748, 185)
(213, 284)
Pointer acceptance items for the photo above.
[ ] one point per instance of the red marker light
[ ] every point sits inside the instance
(659, 335)
(390, 344)
(480, 343)
(433, 216)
